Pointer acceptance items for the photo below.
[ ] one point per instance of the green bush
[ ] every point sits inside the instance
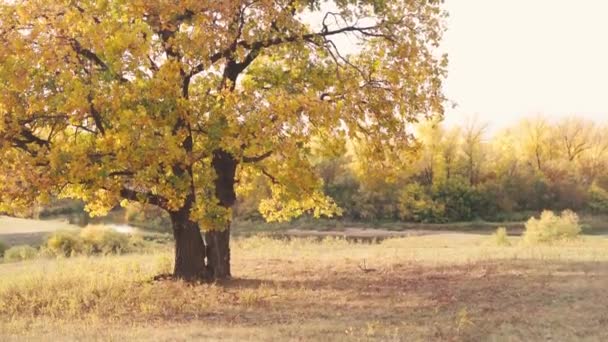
(3, 248)
(416, 205)
(501, 238)
(550, 227)
(64, 243)
(598, 200)
(101, 240)
(20, 253)
(458, 198)
(377, 203)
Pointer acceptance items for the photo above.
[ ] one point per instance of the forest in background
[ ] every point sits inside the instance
(464, 173)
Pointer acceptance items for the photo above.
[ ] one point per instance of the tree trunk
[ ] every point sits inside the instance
(217, 240)
(189, 249)
(218, 252)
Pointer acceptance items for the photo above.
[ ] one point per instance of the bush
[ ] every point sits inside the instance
(101, 240)
(379, 203)
(550, 227)
(3, 248)
(458, 198)
(90, 240)
(64, 243)
(598, 200)
(416, 205)
(501, 238)
(20, 253)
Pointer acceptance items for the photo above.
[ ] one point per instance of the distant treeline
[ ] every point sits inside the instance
(461, 174)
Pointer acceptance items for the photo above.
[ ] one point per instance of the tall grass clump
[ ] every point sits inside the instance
(20, 253)
(64, 243)
(101, 240)
(501, 238)
(552, 228)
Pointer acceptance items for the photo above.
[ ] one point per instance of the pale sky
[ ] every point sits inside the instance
(515, 58)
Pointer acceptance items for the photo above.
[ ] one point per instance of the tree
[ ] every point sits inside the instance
(170, 103)
(430, 135)
(574, 137)
(450, 147)
(595, 158)
(535, 139)
(472, 148)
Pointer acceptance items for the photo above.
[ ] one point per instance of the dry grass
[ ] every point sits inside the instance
(441, 287)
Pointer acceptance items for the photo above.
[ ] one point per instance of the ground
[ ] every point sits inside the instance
(435, 287)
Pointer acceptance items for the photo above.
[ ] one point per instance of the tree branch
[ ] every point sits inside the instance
(149, 198)
(258, 45)
(271, 177)
(256, 159)
(93, 57)
(96, 116)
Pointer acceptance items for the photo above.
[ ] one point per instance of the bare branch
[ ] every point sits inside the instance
(256, 159)
(271, 177)
(258, 45)
(147, 197)
(93, 57)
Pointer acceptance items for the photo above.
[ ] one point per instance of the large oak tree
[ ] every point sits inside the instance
(177, 103)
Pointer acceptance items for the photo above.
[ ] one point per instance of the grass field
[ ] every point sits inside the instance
(435, 287)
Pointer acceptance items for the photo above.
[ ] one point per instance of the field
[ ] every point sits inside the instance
(451, 286)
(15, 231)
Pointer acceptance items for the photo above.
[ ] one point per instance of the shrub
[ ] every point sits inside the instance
(90, 240)
(598, 200)
(64, 243)
(550, 227)
(378, 203)
(416, 205)
(501, 238)
(3, 248)
(458, 198)
(20, 253)
(101, 240)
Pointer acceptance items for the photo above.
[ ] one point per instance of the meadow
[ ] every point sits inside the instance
(445, 286)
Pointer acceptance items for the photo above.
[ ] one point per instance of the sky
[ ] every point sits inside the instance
(511, 59)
